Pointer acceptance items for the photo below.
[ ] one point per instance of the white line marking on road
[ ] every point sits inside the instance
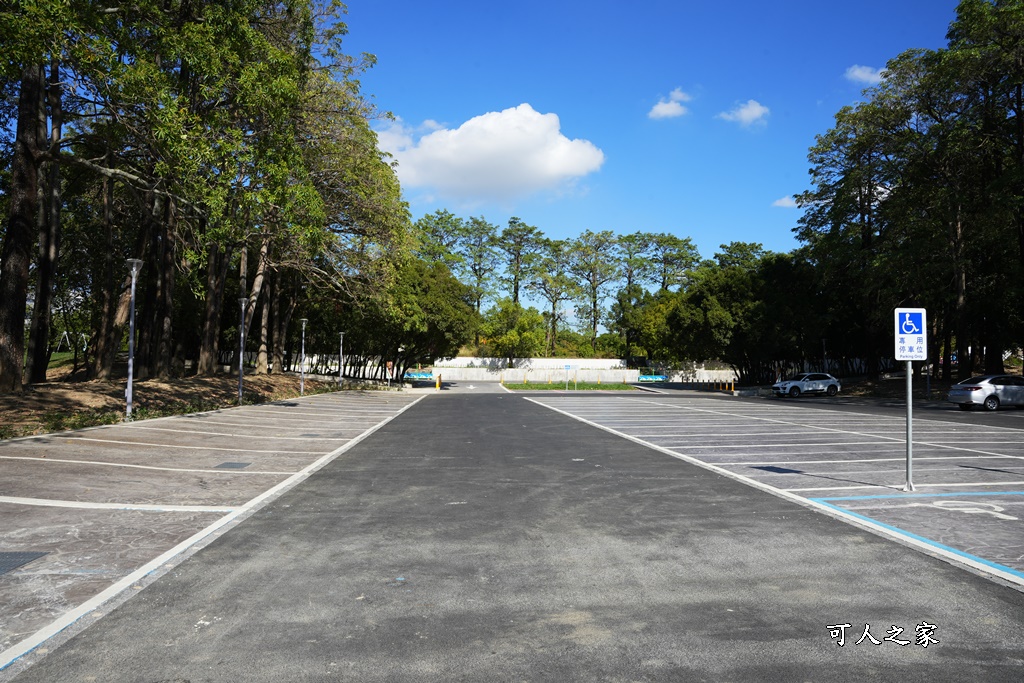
(754, 463)
(193, 448)
(899, 487)
(298, 428)
(84, 505)
(771, 445)
(247, 436)
(144, 467)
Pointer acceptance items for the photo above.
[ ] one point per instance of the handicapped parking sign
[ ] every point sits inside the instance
(911, 334)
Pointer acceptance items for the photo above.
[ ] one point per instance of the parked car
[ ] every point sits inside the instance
(988, 391)
(807, 383)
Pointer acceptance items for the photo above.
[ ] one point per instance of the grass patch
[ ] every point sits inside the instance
(579, 386)
(60, 421)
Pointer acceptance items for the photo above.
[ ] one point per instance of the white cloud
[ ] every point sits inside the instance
(746, 114)
(670, 107)
(494, 156)
(787, 202)
(865, 74)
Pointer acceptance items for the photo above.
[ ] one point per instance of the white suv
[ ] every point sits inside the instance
(807, 383)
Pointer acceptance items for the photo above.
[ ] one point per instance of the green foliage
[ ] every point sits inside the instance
(512, 331)
(591, 260)
(521, 245)
(916, 196)
(553, 283)
(478, 248)
(438, 236)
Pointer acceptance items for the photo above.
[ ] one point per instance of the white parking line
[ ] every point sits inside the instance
(845, 462)
(252, 418)
(193, 448)
(82, 505)
(916, 486)
(143, 467)
(297, 428)
(262, 436)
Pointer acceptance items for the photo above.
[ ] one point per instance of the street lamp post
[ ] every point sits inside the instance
(302, 361)
(136, 265)
(242, 301)
(341, 357)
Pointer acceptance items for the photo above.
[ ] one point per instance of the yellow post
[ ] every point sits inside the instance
(437, 385)
(599, 378)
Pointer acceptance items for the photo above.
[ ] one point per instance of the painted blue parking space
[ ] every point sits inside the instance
(999, 545)
(968, 502)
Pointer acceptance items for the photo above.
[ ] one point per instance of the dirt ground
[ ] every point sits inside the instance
(60, 404)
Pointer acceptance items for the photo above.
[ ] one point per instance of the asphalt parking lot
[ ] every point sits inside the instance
(98, 511)
(849, 457)
(480, 535)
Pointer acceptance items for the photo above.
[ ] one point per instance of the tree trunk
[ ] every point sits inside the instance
(262, 360)
(48, 220)
(148, 321)
(102, 341)
(281, 322)
(165, 342)
(15, 255)
(216, 276)
(258, 281)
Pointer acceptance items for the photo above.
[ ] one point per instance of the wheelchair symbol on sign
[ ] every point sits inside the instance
(909, 326)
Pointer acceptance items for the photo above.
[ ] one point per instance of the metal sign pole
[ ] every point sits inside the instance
(302, 361)
(911, 337)
(136, 265)
(910, 428)
(242, 301)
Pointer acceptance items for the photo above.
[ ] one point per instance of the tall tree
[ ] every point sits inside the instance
(439, 234)
(480, 258)
(592, 261)
(553, 283)
(512, 331)
(520, 243)
(636, 264)
(672, 257)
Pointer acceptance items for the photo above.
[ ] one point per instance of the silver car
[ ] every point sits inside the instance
(807, 383)
(989, 391)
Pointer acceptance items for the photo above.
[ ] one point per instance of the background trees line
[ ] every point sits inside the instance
(228, 146)
(570, 279)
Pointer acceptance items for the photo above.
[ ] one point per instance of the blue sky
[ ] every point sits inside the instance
(682, 117)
